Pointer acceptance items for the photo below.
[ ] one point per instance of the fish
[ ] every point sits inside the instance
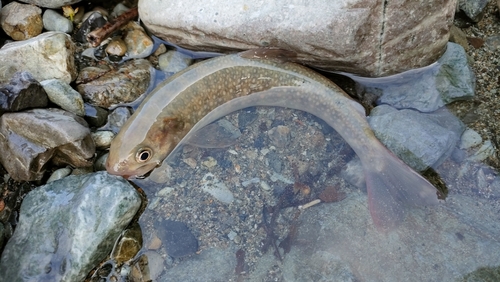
(213, 88)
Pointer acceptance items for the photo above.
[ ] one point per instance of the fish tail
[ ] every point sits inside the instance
(392, 188)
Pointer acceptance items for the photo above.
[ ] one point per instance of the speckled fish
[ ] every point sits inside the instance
(216, 87)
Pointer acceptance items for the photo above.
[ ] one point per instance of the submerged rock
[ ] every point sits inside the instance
(22, 92)
(420, 140)
(30, 140)
(67, 227)
(364, 37)
(49, 55)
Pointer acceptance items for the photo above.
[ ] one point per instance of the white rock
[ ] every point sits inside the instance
(53, 21)
(469, 139)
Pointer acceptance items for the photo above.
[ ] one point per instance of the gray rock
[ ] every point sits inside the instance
(176, 237)
(428, 89)
(67, 227)
(118, 10)
(173, 61)
(49, 55)
(279, 136)
(63, 95)
(469, 139)
(420, 140)
(21, 21)
(53, 4)
(95, 116)
(53, 21)
(102, 138)
(338, 243)
(139, 44)
(22, 92)
(59, 174)
(216, 188)
(116, 119)
(122, 85)
(474, 9)
(31, 140)
(364, 37)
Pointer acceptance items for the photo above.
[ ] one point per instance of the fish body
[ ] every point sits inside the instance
(216, 87)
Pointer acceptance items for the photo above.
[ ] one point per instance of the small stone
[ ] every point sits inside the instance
(493, 42)
(246, 183)
(63, 95)
(165, 192)
(176, 237)
(100, 163)
(459, 37)
(118, 10)
(279, 136)
(209, 163)
(216, 188)
(116, 47)
(102, 139)
(21, 21)
(485, 151)
(139, 44)
(469, 139)
(53, 21)
(59, 174)
(190, 162)
(174, 61)
(265, 186)
(129, 244)
(94, 21)
(231, 235)
(95, 116)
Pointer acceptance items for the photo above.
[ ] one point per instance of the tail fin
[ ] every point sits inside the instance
(393, 187)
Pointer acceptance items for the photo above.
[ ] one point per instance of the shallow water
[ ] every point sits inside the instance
(333, 241)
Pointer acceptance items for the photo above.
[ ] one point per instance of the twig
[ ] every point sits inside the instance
(97, 36)
(310, 204)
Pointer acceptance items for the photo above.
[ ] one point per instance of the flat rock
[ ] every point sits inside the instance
(68, 227)
(22, 92)
(176, 237)
(369, 38)
(49, 55)
(21, 21)
(32, 139)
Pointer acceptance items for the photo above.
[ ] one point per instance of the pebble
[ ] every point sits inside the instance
(174, 61)
(190, 162)
(469, 139)
(474, 9)
(22, 92)
(165, 191)
(178, 240)
(128, 245)
(21, 21)
(216, 188)
(93, 21)
(95, 116)
(53, 21)
(210, 162)
(118, 10)
(63, 95)
(102, 138)
(485, 151)
(139, 44)
(116, 47)
(59, 174)
(279, 136)
(493, 42)
(100, 163)
(246, 183)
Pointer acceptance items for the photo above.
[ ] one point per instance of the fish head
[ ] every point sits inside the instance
(133, 159)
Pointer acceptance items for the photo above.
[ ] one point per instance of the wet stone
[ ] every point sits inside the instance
(91, 73)
(102, 139)
(139, 44)
(474, 9)
(53, 21)
(247, 117)
(116, 47)
(22, 92)
(122, 85)
(279, 136)
(21, 21)
(174, 61)
(63, 95)
(59, 174)
(129, 244)
(116, 119)
(148, 267)
(76, 219)
(33, 139)
(95, 116)
(176, 237)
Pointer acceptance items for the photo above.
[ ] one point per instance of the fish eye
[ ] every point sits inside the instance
(143, 155)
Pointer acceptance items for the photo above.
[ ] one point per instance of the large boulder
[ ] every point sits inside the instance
(369, 38)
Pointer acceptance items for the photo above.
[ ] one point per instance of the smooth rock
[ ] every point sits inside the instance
(49, 55)
(474, 9)
(68, 227)
(485, 151)
(63, 95)
(368, 38)
(428, 89)
(216, 188)
(116, 47)
(176, 237)
(22, 92)
(21, 21)
(139, 44)
(118, 10)
(173, 61)
(420, 140)
(122, 85)
(31, 140)
(100, 163)
(339, 242)
(53, 21)
(91, 73)
(102, 139)
(469, 139)
(59, 174)
(129, 244)
(279, 136)
(53, 4)
(148, 267)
